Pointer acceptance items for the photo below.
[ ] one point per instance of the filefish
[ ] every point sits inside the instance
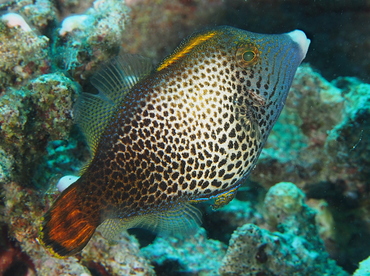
(161, 140)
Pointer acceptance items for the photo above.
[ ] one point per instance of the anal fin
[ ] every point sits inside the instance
(181, 219)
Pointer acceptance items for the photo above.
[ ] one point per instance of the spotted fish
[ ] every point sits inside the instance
(188, 131)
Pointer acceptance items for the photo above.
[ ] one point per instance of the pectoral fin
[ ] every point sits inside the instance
(224, 199)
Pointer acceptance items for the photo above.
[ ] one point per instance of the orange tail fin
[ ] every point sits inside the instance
(66, 228)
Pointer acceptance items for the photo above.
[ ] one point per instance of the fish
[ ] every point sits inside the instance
(164, 138)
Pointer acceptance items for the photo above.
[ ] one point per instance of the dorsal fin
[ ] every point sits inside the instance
(113, 81)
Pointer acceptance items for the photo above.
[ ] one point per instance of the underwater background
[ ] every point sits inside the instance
(305, 208)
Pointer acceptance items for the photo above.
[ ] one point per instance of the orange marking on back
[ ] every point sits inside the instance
(185, 49)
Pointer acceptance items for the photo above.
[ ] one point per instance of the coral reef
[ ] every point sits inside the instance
(121, 258)
(320, 143)
(68, 7)
(326, 154)
(364, 269)
(195, 255)
(31, 117)
(35, 103)
(295, 249)
(36, 99)
(23, 211)
(247, 207)
(84, 41)
(24, 53)
(41, 14)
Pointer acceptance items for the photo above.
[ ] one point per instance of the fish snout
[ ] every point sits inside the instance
(301, 39)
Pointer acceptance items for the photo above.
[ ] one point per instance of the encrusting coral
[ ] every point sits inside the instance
(21, 61)
(33, 116)
(191, 254)
(85, 41)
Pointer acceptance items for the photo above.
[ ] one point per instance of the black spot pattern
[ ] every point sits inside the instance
(193, 132)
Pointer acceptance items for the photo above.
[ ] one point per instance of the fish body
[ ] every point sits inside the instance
(189, 131)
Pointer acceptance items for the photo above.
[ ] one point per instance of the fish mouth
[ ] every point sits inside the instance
(301, 39)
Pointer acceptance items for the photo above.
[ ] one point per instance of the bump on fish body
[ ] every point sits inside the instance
(190, 131)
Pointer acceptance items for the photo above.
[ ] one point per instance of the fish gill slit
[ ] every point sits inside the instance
(246, 111)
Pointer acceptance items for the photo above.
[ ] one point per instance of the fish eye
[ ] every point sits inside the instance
(247, 55)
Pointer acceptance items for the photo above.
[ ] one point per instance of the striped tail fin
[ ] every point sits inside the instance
(66, 229)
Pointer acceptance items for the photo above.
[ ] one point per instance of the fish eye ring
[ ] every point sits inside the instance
(247, 55)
